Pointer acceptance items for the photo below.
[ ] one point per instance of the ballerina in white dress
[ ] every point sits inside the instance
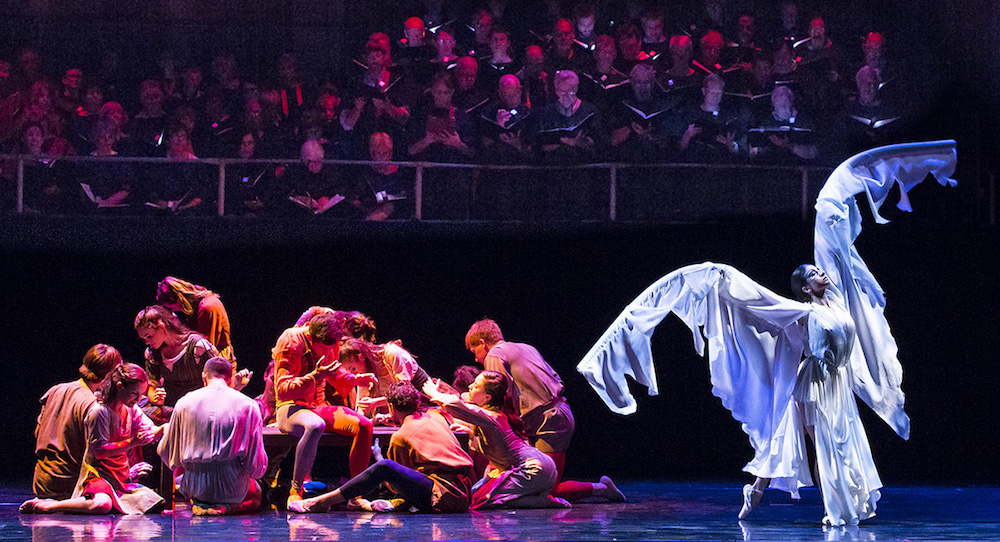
(789, 368)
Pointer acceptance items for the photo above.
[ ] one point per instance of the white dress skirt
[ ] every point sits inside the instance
(848, 480)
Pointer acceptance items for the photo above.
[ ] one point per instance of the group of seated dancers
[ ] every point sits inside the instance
(327, 374)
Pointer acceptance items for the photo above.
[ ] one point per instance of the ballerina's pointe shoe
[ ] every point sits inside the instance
(611, 491)
(751, 498)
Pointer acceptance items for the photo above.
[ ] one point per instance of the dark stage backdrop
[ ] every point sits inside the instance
(69, 284)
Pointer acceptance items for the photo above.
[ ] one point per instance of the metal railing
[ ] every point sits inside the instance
(809, 178)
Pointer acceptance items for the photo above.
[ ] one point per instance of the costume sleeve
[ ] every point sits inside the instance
(204, 350)
(256, 458)
(343, 381)
(401, 363)
(140, 421)
(876, 369)
(753, 337)
(469, 413)
(38, 421)
(420, 378)
(287, 369)
(213, 323)
(496, 363)
(98, 424)
(723, 308)
(169, 448)
(152, 369)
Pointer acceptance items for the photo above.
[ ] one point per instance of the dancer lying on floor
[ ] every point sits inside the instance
(427, 467)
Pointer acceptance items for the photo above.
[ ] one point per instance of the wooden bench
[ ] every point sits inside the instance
(274, 437)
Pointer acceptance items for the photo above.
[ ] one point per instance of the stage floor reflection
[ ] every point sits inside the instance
(655, 511)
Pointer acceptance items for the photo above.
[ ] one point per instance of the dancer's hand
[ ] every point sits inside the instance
(146, 436)
(157, 396)
(139, 470)
(365, 379)
(307, 506)
(241, 379)
(324, 369)
(433, 389)
(368, 405)
(461, 428)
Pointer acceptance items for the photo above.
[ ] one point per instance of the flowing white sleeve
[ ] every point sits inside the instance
(753, 336)
(876, 369)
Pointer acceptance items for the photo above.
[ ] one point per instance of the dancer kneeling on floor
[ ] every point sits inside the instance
(215, 445)
(116, 429)
(520, 475)
(537, 390)
(427, 467)
(61, 436)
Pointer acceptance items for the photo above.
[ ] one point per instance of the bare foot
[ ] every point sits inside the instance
(43, 506)
(382, 505)
(559, 503)
(357, 503)
(199, 510)
(611, 491)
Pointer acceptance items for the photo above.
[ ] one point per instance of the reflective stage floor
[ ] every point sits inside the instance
(655, 511)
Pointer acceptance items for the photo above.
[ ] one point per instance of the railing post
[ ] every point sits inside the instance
(805, 195)
(418, 193)
(222, 187)
(20, 184)
(613, 193)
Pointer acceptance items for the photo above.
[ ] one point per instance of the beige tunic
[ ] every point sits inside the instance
(60, 439)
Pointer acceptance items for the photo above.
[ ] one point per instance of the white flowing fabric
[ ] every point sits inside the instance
(849, 481)
(756, 341)
(877, 372)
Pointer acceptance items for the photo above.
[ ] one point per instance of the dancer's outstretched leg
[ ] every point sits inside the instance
(574, 491)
